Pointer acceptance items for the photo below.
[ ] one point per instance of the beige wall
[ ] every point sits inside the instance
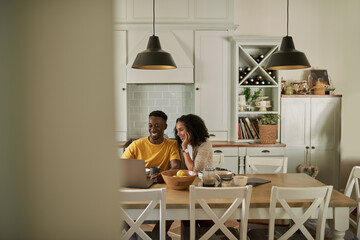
(328, 31)
(58, 153)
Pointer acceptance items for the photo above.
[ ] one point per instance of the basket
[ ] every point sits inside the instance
(268, 133)
(178, 183)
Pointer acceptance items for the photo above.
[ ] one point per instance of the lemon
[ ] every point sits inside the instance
(180, 173)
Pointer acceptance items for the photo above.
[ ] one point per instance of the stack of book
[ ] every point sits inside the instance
(248, 129)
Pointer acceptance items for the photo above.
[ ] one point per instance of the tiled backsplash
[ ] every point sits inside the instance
(174, 99)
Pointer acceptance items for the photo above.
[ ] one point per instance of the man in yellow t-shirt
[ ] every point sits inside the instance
(156, 150)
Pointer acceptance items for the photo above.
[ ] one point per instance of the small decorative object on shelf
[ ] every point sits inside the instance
(262, 105)
(318, 75)
(268, 128)
(304, 87)
(283, 86)
(296, 87)
(319, 89)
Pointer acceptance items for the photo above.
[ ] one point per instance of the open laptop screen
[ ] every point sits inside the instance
(133, 173)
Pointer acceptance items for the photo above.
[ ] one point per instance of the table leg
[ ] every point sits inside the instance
(340, 223)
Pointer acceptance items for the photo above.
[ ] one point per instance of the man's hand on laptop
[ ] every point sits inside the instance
(157, 178)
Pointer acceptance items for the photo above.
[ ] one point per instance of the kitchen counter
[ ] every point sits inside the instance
(229, 144)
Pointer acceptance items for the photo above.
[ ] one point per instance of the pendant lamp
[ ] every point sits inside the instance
(287, 57)
(154, 58)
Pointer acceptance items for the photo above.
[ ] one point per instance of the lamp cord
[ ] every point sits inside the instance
(153, 17)
(287, 19)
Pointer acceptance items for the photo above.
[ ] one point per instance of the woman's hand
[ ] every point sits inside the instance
(187, 140)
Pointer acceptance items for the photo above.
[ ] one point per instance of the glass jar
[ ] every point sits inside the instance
(226, 182)
(209, 177)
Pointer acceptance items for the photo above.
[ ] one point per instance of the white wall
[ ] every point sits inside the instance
(328, 31)
(58, 174)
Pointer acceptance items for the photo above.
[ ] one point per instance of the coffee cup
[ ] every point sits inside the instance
(240, 180)
(154, 170)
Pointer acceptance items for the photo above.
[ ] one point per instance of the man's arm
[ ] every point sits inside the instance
(175, 164)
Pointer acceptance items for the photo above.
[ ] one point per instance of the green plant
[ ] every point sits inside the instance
(269, 119)
(247, 93)
(256, 94)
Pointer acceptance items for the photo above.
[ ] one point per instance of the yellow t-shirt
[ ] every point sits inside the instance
(155, 155)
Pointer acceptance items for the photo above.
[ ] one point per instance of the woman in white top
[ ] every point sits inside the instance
(193, 139)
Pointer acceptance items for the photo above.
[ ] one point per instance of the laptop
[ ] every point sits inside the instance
(133, 174)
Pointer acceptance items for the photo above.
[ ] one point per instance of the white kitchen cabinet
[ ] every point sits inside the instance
(212, 53)
(231, 160)
(120, 56)
(265, 152)
(247, 50)
(312, 124)
(175, 11)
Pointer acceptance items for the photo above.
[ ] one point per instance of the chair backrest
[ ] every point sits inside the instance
(218, 160)
(240, 195)
(252, 164)
(153, 196)
(319, 201)
(353, 183)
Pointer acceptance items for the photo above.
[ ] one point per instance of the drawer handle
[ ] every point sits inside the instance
(217, 151)
(212, 135)
(265, 151)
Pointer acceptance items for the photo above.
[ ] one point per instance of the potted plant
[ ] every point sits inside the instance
(268, 128)
(251, 98)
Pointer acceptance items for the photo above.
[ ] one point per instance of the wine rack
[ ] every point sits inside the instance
(251, 54)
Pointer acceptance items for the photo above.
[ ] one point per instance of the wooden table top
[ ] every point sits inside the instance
(260, 195)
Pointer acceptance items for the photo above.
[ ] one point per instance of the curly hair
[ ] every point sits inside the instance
(196, 128)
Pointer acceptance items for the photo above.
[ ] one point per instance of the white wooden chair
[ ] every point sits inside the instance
(154, 196)
(353, 183)
(241, 196)
(320, 198)
(218, 160)
(252, 164)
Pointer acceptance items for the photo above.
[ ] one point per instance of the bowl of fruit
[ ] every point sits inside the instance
(178, 179)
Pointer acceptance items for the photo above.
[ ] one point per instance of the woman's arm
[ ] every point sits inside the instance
(204, 156)
(185, 152)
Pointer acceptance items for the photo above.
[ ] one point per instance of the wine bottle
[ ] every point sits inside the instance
(251, 81)
(257, 82)
(269, 72)
(262, 82)
(246, 82)
(259, 77)
(259, 58)
(247, 70)
(268, 82)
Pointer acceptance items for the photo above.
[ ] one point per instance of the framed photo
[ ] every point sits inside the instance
(319, 75)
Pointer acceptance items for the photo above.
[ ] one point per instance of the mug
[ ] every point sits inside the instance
(154, 170)
(240, 180)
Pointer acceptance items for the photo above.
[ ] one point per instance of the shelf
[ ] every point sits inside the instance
(247, 49)
(257, 86)
(257, 113)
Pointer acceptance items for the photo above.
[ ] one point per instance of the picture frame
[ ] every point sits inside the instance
(321, 75)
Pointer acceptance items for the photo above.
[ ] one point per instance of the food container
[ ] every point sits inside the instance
(240, 180)
(226, 182)
(178, 183)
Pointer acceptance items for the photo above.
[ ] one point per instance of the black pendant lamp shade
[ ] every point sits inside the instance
(154, 57)
(287, 57)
